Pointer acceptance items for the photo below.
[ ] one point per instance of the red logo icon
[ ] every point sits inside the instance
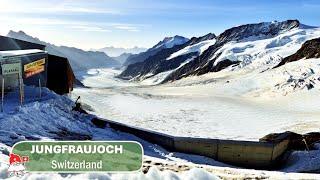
(14, 158)
(16, 167)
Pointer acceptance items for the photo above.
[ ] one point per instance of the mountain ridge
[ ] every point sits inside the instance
(206, 62)
(167, 42)
(159, 60)
(79, 59)
(117, 51)
(217, 55)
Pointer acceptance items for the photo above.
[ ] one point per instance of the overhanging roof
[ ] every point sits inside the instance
(8, 43)
(20, 52)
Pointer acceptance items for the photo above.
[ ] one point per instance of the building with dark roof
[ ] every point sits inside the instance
(37, 67)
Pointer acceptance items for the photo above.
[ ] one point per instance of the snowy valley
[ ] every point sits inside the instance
(243, 101)
(247, 82)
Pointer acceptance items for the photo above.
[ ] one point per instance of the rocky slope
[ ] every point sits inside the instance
(206, 62)
(310, 49)
(216, 55)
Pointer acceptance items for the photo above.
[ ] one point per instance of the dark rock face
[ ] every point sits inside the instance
(296, 141)
(208, 68)
(196, 40)
(248, 30)
(206, 61)
(68, 135)
(310, 49)
(224, 64)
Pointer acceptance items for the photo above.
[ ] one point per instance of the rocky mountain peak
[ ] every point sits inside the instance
(24, 36)
(169, 42)
(196, 40)
(258, 29)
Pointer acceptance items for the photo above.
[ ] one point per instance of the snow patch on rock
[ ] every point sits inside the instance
(199, 47)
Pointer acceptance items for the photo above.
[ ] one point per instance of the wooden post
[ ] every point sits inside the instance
(2, 93)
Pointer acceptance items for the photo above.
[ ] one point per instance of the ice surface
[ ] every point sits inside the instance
(51, 118)
(216, 110)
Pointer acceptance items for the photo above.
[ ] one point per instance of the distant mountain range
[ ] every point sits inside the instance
(122, 58)
(80, 60)
(117, 51)
(256, 46)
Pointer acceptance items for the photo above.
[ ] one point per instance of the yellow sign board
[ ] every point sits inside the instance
(35, 67)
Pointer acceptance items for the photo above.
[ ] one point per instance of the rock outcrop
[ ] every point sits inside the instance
(310, 49)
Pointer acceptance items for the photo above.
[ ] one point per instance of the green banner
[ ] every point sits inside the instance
(78, 156)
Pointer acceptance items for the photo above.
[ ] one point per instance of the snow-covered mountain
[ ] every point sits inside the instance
(80, 60)
(122, 57)
(117, 51)
(168, 59)
(168, 42)
(259, 47)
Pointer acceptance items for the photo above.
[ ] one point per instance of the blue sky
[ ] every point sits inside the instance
(126, 23)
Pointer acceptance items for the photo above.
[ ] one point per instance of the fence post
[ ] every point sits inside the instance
(2, 94)
(21, 89)
(39, 88)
